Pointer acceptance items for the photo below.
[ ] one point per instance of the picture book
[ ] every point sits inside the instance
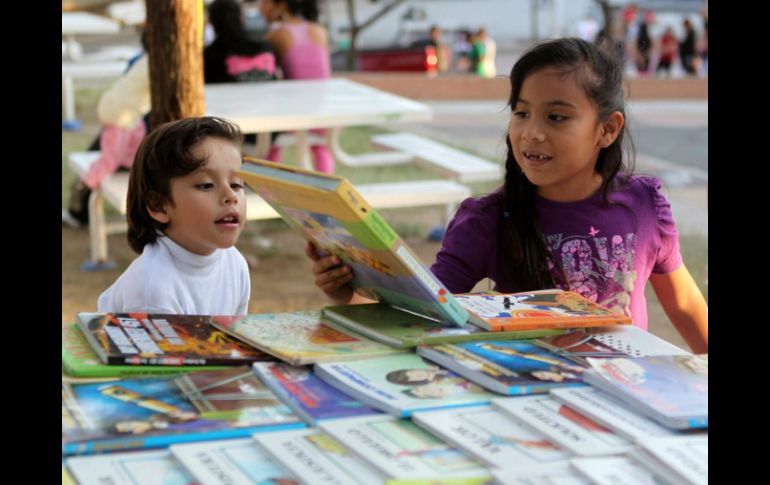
(537, 309)
(145, 467)
(301, 338)
(670, 389)
(229, 462)
(491, 436)
(311, 398)
(510, 367)
(561, 473)
(400, 329)
(78, 359)
(614, 470)
(159, 411)
(169, 340)
(316, 458)
(678, 460)
(611, 413)
(578, 344)
(563, 425)
(401, 384)
(400, 449)
(329, 211)
(634, 341)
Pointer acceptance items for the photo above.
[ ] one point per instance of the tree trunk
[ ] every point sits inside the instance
(175, 50)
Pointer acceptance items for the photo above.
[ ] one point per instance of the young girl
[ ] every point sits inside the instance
(568, 215)
(302, 47)
(186, 208)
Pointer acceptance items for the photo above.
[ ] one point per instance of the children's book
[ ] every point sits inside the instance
(681, 460)
(145, 467)
(563, 425)
(309, 397)
(634, 341)
(578, 344)
(511, 367)
(78, 359)
(611, 413)
(301, 338)
(560, 473)
(491, 436)
(401, 384)
(316, 458)
(396, 328)
(670, 389)
(229, 462)
(400, 449)
(156, 412)
(614, 470)
(329, 211)
(537, 309)
(168, 340)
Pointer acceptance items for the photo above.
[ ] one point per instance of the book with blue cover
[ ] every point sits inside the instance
(156, 412)
(670, 389)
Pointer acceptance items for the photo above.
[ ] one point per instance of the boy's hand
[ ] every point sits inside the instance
(331, 275)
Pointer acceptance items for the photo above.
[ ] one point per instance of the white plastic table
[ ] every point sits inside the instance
(298, 106)
(78, 23)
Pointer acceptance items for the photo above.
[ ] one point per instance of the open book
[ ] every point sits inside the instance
(328, 210)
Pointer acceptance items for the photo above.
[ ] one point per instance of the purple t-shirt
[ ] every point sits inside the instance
(607, 252)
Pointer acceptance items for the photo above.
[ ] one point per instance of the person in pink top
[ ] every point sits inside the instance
(302, 47)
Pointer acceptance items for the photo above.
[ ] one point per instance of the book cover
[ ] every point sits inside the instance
(481, 480)
(561, 473)
(611, 413)
(309, 397)
(670, 389)
(510, 367)
(679, 460)
(316, 458)
(537, 309)
(328, 210)
(145, 467)
(159, 411)
(401, 329)
(79, 360)
(634, 341)
(167, 340)
(491, 436)
(614, 470)
(66, 477)
(578, 344)
(230, 462)
(564, 426)
(301, 338)
(401, 384)
(400, 449)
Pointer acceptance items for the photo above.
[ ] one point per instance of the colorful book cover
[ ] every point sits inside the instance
(167, 340)
(671, 389)
(300, 338)
(578, 344)
(491, 436)
(611, 413)
(402, 384)
(614, 470)
(78, 359)
(537, 309)
(511, 367)
(316, 458)
(309, 397)
(678, 460)
(156, 412)
(401, 329)
(564, 426)
(400, 449)
(230, 462)
(145, 467)
(328, 210)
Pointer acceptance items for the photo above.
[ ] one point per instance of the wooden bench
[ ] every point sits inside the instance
(388, 195)
(454, 163)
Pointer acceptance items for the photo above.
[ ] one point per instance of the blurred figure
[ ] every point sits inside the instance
(668, 50)
(462, 51)
(704, 47)
(434, 40)
(643, 44)
(687, 48)
(487, 50)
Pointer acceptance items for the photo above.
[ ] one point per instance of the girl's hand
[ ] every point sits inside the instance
(331, 275)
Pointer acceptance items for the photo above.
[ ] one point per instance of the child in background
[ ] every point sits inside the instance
(569, 215)
(185, 208)
(302, 47)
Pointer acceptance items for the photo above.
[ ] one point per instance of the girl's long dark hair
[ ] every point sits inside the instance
(600, 73)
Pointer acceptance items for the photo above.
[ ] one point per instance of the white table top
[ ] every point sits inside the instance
(298, 105)
(87, 23)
